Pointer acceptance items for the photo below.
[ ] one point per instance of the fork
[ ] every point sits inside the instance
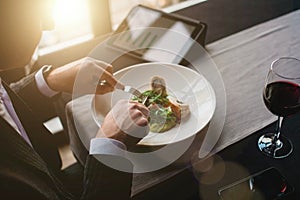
(131, 90)
(126, 88)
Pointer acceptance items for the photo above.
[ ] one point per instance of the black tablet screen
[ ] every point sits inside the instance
(154, 35)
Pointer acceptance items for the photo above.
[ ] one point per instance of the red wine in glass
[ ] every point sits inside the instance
(282, 97)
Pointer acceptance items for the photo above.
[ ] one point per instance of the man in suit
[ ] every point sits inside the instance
(29, 163)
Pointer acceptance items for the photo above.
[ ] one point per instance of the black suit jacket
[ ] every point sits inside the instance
(33, 173)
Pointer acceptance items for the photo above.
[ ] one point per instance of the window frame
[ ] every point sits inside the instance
(100, 17)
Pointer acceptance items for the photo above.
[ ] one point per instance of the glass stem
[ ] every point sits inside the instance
(278, 128)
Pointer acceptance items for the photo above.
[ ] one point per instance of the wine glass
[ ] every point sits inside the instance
(282, 97)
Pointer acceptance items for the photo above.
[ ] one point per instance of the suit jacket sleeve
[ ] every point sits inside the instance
(104, 182)
(27, 90)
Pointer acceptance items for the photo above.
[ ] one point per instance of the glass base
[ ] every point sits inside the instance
(279, 149)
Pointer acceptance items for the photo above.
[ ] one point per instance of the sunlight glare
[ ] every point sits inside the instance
(69, 11)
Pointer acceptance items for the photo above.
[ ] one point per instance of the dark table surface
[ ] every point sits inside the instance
(225, 17)
(203, 180)
(244, 158)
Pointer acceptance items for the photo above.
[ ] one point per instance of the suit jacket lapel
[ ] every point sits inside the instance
(25, 115)
(39, 136)
(12, 144)
(14, 147)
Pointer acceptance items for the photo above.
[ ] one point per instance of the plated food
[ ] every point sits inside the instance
(182, 84)
(165, 111)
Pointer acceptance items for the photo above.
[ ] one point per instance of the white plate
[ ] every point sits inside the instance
(182, 83)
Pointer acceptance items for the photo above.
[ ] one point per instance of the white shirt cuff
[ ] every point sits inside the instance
(42, 84)
(106, 146)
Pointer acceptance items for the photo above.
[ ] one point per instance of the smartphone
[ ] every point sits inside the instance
(268, 184)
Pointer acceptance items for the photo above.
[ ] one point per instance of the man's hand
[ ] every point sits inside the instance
(126, 122)
(83, 75)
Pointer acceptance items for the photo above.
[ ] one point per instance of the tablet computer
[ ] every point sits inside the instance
(154, 35)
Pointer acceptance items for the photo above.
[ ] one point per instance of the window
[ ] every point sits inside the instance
(80, 20)
(72, 22)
